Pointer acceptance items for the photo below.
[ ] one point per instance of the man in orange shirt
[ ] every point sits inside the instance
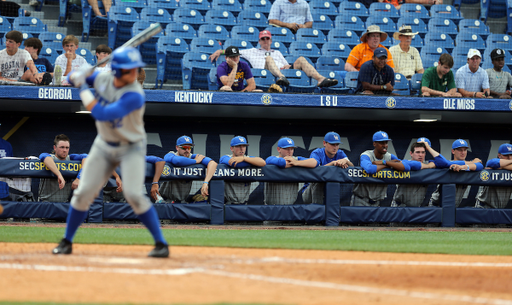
(363, 52)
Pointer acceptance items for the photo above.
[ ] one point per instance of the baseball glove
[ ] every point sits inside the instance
(199, 197)
(275, 88)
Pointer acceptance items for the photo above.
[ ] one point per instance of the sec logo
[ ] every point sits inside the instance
(484, 175)
(166, 171)
(390, 103)
(266, 99)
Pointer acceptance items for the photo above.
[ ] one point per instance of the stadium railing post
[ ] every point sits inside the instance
(332, 204)
(217, 202)
(448, 205)
(96, 210)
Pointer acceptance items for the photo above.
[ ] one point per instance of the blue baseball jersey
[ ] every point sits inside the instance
(281, 162)
(320, 156)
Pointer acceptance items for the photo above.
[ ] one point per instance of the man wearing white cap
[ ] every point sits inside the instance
(291, 14)
(406, 58)
(279, 192)
(471, 79)
(363, 52)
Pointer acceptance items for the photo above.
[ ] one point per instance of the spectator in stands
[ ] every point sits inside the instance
(272, 60)
(396, 3)
(11, 9)
(291, 14)
(407, 59)
(58, 190)
(460, 152)
(13, 61)
(179, 190)
(95, 8)
(285, 193)
(372, 161)
(496, 197)
(232, 72)
(425, 2)
(103, 51)
(69, 60)
(412, 195)
(499, 80)
(238, 192)
(33, 46)
(471, 79)
(439, 80)
(363, 52)
(329, 155)
(376, 77)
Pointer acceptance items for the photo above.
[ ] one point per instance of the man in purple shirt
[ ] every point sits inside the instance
(232, 72)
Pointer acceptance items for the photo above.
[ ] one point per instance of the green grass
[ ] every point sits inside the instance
(449, 242)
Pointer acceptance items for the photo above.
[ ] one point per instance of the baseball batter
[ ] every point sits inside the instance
(285, 193)
(118, 108)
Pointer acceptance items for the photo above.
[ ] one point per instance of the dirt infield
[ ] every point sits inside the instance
(199, 275)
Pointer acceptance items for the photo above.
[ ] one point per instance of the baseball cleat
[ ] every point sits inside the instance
(160, 250)
(64, 247)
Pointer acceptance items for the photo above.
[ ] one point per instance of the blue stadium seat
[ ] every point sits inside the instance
(138, 5)
(416, 83)
(432, 50)
(90, 21)
(474, 26)
(299, 81)
(416, 24)
(212, 80)
(120, 23)
(189, 16)
(263, 78)
(262, 6)
(501, 41)
(195, 67)
(352, 8)
(429, 60)
(306, 49)
(222, 59)
(345, 37)
(460, 51)
(402, 85)
(351, 81)
(311, 35)
(85, 53)
(65, 9)
(323, 23)
(457, 3)
(232, 6)
(493, 9)
(291, 59)
(239, 43)
(336, 49)
(352, 23)
(252, 18)
(323, 7)
(383, 10)
(49, 53)
(168, 5)
(458, 62)
(388, 43)
(413, 10)
(202, 6)
(148, 48)
(182, 30)
(283, 35)
(245, 32)
(471, 40)
(416, 42)
(30, 25)
(170, 51)
(443, 25)
(153, 15)
(331, 63)
(336, 89)
(218, 17)
(5, 26)
(509, 17)
(49, 37)
(204, 45)
(217, 32)
(445, 11)
(278, 45)
(440, 39)
(385, 23)
(487, 57)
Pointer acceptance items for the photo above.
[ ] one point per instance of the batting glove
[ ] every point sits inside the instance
(78, 76)
(86, 95)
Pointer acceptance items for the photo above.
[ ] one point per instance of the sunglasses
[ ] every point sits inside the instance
(186, 147)
(264, 38)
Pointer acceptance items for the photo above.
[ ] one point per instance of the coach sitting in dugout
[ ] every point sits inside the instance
(363, 52)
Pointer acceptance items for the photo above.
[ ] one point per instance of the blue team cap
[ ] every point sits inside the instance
(286, 143)
(379, 52)
(184, 140)
(332, 138)
(239, 140)
(505, 149)
(381, 136)
(459, 143)
(424, 140)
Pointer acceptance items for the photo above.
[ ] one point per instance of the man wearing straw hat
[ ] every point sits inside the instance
(406, 58)
(363, 52)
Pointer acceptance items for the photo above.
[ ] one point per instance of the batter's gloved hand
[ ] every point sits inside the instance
(275, 88)
(77, 77)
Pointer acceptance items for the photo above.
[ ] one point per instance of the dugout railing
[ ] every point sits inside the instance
(216, 212)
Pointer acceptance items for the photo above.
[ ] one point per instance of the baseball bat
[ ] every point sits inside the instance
(136, 40)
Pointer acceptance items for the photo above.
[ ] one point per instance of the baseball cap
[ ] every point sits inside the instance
(239, 140)
(497, 53)
(381, 136)
(265, 33)
(286, 143)
(184, 140)
(379, 52)
(505, 149)
(231, 51)
(424, 140)
(473, 52)
(459, 143)
(332, 138)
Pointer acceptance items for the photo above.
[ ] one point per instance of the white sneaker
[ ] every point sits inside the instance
(57, 74)
(33, 3)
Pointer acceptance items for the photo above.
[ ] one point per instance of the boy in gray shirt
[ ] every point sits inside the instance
(499, 80)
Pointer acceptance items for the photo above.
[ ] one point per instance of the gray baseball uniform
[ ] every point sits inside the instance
(460, 190)
(235, 192)
(495, 197)
(409, 195)
(49, 188)
(281, 193)
(176, 190)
